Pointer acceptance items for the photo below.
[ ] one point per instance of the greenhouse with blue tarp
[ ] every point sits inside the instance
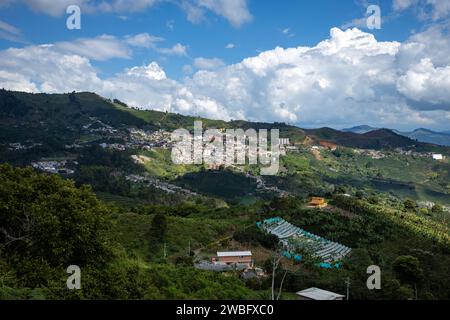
(296, 240)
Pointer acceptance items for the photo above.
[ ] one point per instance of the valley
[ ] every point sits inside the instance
(387, 198)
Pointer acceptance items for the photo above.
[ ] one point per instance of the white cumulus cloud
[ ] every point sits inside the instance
(234, 11)
(177, 50)
(349, 78)
(143, 40)
(425, 83)
(208, 64)
(104, 47)
(426, 9)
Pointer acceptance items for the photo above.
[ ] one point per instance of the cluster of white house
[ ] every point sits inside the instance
(437, 156)
(54, 167)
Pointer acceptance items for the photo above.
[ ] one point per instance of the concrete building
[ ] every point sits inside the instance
(235, 257)
(318, 294)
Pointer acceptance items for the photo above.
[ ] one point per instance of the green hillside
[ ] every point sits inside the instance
(148, 252)
(45, 124)
(154, 221)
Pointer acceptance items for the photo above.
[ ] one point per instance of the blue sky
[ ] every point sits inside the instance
(181, 48)
(303, 23)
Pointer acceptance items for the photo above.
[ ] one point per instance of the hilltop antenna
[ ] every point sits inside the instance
(195, 111)
(166, 112)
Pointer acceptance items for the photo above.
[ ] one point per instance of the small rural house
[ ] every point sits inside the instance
(318, 294)
(317, 202)
(235, 257)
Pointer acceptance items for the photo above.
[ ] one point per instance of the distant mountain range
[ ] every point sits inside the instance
(376, 139)
(421, 134)
(360, 129)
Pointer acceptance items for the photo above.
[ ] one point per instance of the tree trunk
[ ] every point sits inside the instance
(281, 285)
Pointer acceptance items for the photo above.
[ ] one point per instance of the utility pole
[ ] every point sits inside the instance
(165, 250)
(415, 290)
(347, 282)
(189, 248)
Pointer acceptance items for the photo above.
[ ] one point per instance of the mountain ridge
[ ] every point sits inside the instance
(59, 118)
(420, 134)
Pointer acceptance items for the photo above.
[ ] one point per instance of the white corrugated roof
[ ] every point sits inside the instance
(319, 294)
(234, 254)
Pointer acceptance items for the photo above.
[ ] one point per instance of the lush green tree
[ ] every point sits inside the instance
(359, 194)
(437, 208)
(408, 269)
(373, 200)
(424, 211)
(46, 222)
(410, 205)
(184, 261)
(158, 228)
(157, 235)
(255, 236)
(46, 225)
